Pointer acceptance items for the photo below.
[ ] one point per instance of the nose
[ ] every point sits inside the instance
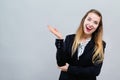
(91, 24)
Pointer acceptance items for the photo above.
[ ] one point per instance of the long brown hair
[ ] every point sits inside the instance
(97, 35)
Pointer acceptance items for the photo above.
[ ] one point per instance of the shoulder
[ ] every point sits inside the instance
(70, 36)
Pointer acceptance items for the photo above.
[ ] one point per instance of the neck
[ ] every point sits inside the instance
(85, 38)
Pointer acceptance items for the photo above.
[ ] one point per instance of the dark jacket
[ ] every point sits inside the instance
(79, 69)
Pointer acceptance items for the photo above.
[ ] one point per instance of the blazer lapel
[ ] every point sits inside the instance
(89, 46)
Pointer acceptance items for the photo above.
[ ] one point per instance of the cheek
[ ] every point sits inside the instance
(95, 27)
(85, 22)
(93, 30)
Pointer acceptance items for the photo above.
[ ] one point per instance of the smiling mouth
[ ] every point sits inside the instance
(88, 29)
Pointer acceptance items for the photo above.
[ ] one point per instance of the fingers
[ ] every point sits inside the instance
(50, 28)
(67, 64)
(55, 32)
(64, 68)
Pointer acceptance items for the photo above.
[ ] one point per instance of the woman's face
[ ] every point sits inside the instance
(91, 23)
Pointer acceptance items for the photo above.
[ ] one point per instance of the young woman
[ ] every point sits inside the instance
(80, 56)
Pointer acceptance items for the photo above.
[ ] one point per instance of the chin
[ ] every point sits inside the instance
(88, 33)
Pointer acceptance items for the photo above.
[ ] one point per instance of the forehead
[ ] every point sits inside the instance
(93, 16)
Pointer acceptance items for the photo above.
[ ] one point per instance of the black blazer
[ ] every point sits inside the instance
(79, 69)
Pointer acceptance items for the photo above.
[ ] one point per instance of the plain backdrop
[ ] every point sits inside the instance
(27, 50)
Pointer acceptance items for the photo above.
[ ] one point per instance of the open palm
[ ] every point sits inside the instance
(55, 32)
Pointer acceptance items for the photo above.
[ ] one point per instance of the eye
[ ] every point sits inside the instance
(95, 22)
(89, 19)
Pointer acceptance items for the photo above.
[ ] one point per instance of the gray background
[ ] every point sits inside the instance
(27, 50)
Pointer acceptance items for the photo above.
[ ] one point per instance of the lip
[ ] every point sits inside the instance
(88, 29)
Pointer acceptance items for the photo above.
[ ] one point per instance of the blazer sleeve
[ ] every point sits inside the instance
(93, 70)
(88, 71)
(61, 54)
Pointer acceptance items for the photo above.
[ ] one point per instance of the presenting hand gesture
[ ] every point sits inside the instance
(55, 32)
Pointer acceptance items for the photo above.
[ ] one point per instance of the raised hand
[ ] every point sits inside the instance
(55, 32)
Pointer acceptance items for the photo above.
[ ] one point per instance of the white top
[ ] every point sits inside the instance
(82, 47)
